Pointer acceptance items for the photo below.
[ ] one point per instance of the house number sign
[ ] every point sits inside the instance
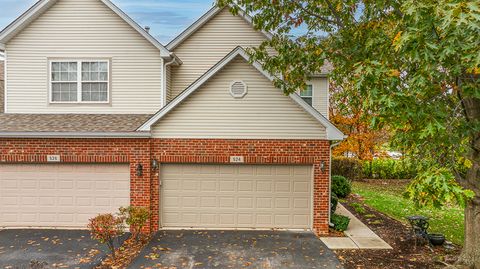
(237, 159)
(53, 158)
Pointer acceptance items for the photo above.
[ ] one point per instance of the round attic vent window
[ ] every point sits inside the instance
(238, 89)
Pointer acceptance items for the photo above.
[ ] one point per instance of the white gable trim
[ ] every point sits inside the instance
(332, 132)
(25, 19)
(41, 6)
(204, 19)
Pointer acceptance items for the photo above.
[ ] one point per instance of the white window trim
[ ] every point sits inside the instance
(311, 96)
(79, 81)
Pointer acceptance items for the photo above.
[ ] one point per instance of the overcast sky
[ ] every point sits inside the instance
(167, 18)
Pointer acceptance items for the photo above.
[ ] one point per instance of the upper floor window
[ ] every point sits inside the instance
(307, 94)
(79, 81)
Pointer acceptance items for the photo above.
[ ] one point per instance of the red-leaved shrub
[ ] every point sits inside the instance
(106, 228)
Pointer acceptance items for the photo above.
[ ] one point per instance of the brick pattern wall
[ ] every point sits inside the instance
(145, 188)
(312, 152)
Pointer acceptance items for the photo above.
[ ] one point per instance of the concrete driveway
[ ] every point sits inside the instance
(235, 249)
(28, 248)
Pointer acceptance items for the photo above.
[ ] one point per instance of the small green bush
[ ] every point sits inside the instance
(355, 169)
(393, 169)
(348, 167)
(341, 186)
(333, 203)
(358, 208)
(340, 222)
(136, 217)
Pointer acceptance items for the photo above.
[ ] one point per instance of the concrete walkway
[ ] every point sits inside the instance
(359, 236)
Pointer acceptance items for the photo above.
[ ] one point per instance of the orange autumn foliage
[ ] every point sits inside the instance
(346, 113)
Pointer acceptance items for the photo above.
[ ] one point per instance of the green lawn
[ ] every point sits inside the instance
(387, 198)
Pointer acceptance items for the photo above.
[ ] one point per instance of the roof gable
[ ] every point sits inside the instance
(43, 5)
(202, 21)
(332, 132)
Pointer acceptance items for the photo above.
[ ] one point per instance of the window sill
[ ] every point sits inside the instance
(79, 103)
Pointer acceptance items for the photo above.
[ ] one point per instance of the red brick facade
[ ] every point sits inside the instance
(145, 189)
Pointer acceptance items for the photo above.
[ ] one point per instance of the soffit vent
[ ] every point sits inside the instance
(238, 89)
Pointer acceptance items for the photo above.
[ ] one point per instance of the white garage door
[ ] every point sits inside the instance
(236, 196)
(60, 195)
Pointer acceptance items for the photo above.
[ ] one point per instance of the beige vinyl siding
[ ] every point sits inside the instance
(83, 29)
(210, 44)
(320, 94)
(264, 113)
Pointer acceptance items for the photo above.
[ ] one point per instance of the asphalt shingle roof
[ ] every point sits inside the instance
(71, 122)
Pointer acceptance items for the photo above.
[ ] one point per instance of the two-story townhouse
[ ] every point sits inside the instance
(98, 114)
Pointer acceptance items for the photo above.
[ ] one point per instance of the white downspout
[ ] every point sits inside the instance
(164, 84)
(330, 183)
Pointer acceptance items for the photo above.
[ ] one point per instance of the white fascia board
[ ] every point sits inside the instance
(25, 19)
(249, 19)
(332, 132)
(193, 28)
(204, 19)
(75, 134)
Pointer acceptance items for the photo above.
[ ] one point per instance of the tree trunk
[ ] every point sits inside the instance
(470, 255)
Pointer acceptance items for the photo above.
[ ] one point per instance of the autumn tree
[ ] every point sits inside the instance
(415, 66)
(348, 114)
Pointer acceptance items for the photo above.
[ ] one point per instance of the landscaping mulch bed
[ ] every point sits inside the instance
(124, 254)
(334, 233)
(404, 253)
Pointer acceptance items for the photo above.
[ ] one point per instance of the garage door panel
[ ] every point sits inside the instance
(236, 196)
(226, 170)
(60, 195)
(284, 170)
(226, 220)
(264, 170)
(245, 203)
(226, 202)
(245, 170)
(208, 185)
(227, 186)
(245, 185)
(264, 219)
(282, 186)
(264, 186)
